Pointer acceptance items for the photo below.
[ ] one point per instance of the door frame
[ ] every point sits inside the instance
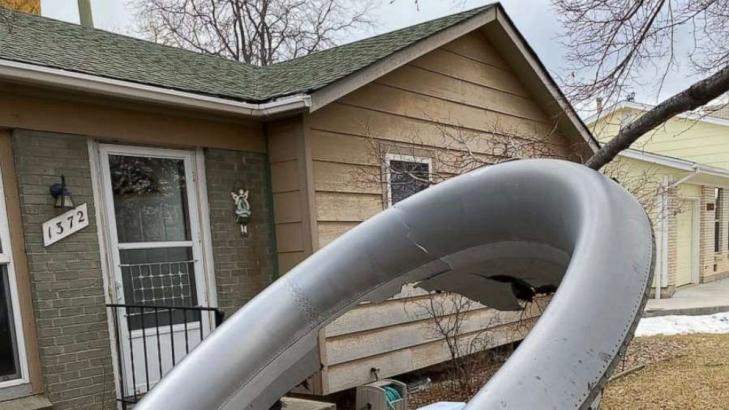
(102, 218)
(7, 259)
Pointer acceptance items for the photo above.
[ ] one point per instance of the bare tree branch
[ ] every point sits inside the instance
(259, 32)
(693, 97)
(613, 42)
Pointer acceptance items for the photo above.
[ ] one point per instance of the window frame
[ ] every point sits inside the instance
(6, 259)
(405, 158)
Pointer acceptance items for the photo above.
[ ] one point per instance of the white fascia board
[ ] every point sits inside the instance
(34, 74)
(616, 107)
(676, 163)
(647, 107)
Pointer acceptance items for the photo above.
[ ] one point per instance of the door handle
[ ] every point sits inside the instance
(117, 290)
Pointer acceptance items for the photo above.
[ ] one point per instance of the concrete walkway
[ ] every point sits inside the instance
(703, 299)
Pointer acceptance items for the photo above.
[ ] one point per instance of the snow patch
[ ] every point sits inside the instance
(682, 325)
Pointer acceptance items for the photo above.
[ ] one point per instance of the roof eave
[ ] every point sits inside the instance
(675, 163)
(342, 87)
(528, 54)
(352, 82)
(73, 81)
(690, 115)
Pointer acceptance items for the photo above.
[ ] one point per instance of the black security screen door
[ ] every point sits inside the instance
(153, 231)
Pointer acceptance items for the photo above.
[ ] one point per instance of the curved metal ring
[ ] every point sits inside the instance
(543, 222)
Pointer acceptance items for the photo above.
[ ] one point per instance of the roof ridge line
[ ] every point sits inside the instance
(471, 10)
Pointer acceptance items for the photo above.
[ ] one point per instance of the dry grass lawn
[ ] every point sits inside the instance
(681, 372)
(688, 372)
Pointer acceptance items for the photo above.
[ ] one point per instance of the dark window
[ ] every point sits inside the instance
(718, 197)
(150, 199)
(9, 363)
(407, 178)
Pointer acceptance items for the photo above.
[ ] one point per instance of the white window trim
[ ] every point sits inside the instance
(408, 158)
(6, 258)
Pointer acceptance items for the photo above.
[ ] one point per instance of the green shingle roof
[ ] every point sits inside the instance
(52, 43)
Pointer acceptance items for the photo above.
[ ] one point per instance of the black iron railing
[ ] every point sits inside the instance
(151, 339)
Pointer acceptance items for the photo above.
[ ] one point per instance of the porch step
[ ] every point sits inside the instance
(291, 403)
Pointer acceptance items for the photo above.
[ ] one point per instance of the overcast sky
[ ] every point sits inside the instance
(534, 18)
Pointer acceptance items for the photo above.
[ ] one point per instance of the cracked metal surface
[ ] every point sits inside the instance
(533, 222)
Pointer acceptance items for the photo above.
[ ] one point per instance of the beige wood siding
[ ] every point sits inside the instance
(114, 121)
(291, 187)
(463, 87)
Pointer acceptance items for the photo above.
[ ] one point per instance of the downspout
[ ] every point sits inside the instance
(663, 249)
(662, 254)
(686, 178)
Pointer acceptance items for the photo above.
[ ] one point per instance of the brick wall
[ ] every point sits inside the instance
(243, 267)
(668, 284)
(67, 284)
(68, 294)
(674, 202)
(706, 232)
(714, 265)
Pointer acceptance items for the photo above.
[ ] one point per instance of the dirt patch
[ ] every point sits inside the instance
(444, 388)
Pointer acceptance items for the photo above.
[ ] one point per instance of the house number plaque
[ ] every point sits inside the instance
(65, 225)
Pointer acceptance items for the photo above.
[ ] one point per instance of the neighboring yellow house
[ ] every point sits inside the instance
(26, 6)
(680, 172)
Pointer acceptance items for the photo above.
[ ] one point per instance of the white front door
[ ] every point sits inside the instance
(687, 243)
(156, 256)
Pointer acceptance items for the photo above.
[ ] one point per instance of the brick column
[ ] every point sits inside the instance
(243, 266)
(67, 286)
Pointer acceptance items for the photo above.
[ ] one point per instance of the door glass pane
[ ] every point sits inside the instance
(159, 277)
(9, 364)
(150, 199)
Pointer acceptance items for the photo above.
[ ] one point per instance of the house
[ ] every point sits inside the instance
(183, 184)
(685, 163)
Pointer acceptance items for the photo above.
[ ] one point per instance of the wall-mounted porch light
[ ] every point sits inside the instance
(61, 194)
